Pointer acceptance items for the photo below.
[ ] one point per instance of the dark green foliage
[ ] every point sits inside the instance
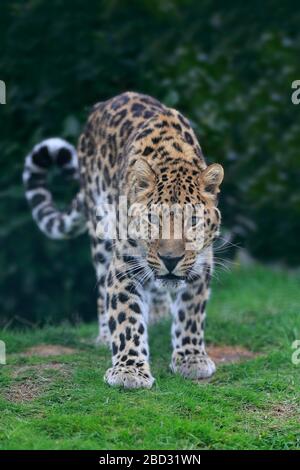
(228, 66)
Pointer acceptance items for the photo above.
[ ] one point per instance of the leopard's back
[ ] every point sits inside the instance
(104, 144)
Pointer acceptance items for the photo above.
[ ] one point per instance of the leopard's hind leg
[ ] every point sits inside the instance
(160, 304)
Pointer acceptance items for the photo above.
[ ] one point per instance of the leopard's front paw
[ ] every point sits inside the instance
(192, 366)
(129, 376)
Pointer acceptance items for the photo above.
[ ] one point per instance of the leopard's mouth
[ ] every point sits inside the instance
(170, 277)
(170, 283)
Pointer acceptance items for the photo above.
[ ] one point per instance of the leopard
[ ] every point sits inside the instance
(135, 147)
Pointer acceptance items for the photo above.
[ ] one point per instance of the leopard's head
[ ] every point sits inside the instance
(174, 215)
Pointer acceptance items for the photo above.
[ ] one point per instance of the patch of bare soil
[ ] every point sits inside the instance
(45, 350)
(32, 380)
(285, 410)
(229, 354)
(23, 391)
(279, 411)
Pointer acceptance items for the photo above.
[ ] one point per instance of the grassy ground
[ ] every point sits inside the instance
(61, 402)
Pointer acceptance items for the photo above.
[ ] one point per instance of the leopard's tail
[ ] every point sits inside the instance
(52, 222)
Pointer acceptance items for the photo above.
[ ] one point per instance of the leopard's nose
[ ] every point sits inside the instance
(170, 262)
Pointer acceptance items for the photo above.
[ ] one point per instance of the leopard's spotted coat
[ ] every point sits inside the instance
(134, 146)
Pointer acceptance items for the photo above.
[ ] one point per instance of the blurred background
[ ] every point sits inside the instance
(228, 66)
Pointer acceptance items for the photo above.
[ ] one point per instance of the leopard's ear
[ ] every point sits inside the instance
(211, 178)
(143, 176)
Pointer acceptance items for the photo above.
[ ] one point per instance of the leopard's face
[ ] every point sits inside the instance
(177, 217)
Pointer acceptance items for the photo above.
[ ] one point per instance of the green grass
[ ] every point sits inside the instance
(250, 405)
